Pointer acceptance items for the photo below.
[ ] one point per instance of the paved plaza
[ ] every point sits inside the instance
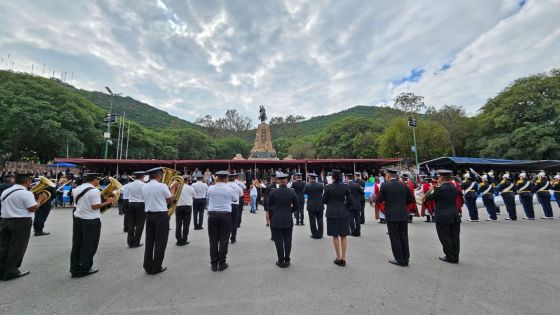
(506, 268)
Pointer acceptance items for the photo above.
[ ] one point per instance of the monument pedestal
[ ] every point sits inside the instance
(263, 148)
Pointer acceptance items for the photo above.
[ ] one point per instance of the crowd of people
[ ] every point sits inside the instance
(145, 201)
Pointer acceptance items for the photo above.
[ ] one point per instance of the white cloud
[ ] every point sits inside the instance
(307, 57)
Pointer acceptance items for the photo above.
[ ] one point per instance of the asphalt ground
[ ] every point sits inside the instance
(505, 268)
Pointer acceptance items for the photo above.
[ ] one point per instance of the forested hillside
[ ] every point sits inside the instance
(42, 119)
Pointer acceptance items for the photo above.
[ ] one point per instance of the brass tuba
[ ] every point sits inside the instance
(169, 177)
(112, 190)
(42, 188)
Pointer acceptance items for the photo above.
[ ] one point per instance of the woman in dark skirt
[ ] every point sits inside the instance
(338, 200)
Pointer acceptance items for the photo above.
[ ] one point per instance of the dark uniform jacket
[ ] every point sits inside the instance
(466, 184)
(540, 183)
(445, 198)
(505, 183)
(314, 193)
(299, 186)
(282, 203)
(486, 186)
(357, 193)
(556, 187)
(526, 191)
(267, 191)
(338, 200)
(396, 196)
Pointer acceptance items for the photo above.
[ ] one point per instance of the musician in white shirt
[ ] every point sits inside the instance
(183, 213)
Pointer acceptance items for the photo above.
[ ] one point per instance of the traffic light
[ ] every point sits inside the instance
(410, 121)
(413, 123)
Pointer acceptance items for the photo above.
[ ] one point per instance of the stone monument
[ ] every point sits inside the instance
(263, 141)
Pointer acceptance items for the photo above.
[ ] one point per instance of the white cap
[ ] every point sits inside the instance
(524, 175)
(485, 177)
(466, 175)
(491, 173)
(506, 175)
(557, 177)
(542, 174)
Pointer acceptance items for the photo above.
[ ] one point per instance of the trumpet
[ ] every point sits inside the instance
(429, 192)
(112, 190)
(42, 188)
(169, 177)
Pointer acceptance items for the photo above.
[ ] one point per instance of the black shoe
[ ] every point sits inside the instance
(85, 273)
(267, 224)
(394, 262)
(11, 276)
(185, 242)
(339, 262)
(447, 260)
(313, 236)
(137, 245)
(41, 233)
(233, 240)
(287, 261)
(180, 243)
(214, 267)
(160, 271)
(281, 264)
(223, 267)
(125, 230)
(356, 234)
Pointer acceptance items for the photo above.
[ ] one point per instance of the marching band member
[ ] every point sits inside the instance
(459, 201)
(556, 188)
(18, 205)
(183, 213)
(220, 200)
(524, 188)
(87, 225)
(299, 186)
(470, 188)
(123, 205)
(427, 204)
(243, 187)
(157, 198)
(412, 207)
(357, 193)
(199, 202)
(486, 190)
(542, 185)
(379, 208)
(506, 190)
(282, 203)
(447, 218)
(135, 211)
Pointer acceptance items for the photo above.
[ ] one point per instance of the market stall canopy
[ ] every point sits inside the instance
(497, 164)
(62, 164)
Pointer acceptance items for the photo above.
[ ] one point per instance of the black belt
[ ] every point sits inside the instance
(219, 213)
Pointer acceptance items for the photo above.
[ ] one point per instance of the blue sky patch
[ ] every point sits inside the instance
(414, 76)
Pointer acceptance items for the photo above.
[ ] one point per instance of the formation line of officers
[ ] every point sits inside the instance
(148, 205)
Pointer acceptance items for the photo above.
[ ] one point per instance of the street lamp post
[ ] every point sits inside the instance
(107, 135)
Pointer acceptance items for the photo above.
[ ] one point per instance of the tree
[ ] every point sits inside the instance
(287, 126)
(231, 124)
(348, 138)
(409, 102)
(522, 121)
(302, 148)
(228, 147)
(396, 140)
(455, 122)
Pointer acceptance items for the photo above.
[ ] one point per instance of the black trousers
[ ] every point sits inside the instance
(126, 216)
(509, 201)
(316, 223)
(219, 229)
(470, 201)
(544, 200)
(85, 240)
(198, 211)
(355, 221)
(363, 212)
(490, 208)
(40, 218)
(241, 205)
(14, 237)
(283, 241)
(235, 214)
(398, 234)
(299, 214)
(448, 234)
(527, 202)
(136, 220)
(182, 222)
(157, 233)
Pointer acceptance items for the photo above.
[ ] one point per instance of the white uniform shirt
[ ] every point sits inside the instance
(155, 196)
(220, 198)
(16, 204)
(238, 191)
(83, 207)
(241, 184)
(134, 189)
(200, 189)
(124, 193)
(187, 195)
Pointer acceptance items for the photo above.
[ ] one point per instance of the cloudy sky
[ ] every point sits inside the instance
(315, 57)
